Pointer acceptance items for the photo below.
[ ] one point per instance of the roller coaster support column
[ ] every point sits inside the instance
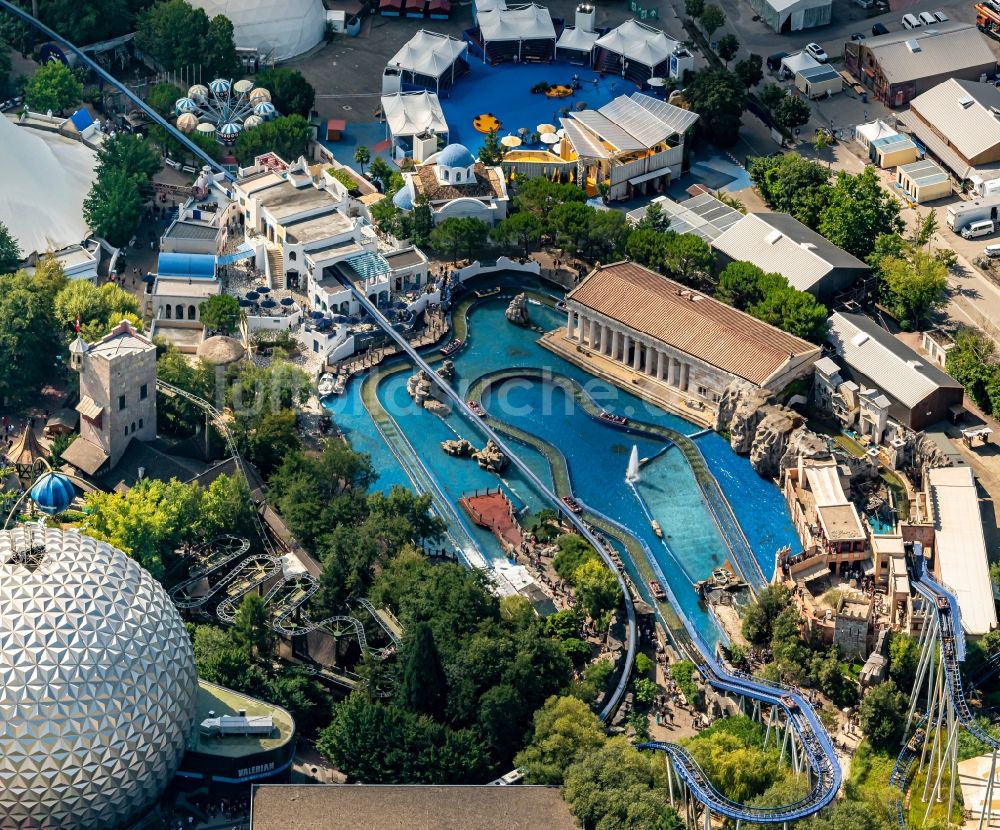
(929, 643)
(947, 758)
(988, 800)
(772, 725)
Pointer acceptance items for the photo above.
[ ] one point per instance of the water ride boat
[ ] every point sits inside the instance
(451, 347)
(658, 593)
(326, 385)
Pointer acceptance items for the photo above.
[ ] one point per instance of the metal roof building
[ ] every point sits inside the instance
(793, 15)
(957, 121)
(960, 546)
(919, 393)
(778, 242)
(923, 181)
(702, 215)
(899, 66)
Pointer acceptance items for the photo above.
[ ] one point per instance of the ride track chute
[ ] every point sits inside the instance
(801, 720)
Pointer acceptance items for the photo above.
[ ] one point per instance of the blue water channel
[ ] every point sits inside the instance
(597, 455)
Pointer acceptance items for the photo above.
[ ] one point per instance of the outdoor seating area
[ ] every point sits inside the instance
(486, 123)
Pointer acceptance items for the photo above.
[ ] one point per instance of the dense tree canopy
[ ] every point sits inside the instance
(98, 309)
(10, 251)
(288, 136)
(565, 729)
(220, 313)
(53, 88)
(883, 716)
(291, 93)
(181, 37)
(28, 348)
(719, 97)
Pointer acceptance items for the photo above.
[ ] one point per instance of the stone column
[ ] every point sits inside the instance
(661, 360)
(626, 345)
(569, 324)
(637, 361)
(593, 334)
(685, 375)
(606, 337)
(616, 344)
(580, 322)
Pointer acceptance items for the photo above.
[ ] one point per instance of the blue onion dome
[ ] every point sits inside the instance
(456, 155)
(220, 86)
(265, 109)
(53, 493)
(182, 105)
(403, 200)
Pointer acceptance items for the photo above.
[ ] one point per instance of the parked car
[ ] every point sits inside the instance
(856, 36)
(817, 52)
(941, 17)
(927, 19)
(828, 133)
(865, 4)
(774, 61)
(911, 21)
(984, 227)
(992, 251)
(879, 29)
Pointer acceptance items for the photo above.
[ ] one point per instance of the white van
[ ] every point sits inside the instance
(928, 19)
(911, 21)
(984, 227)
(992, 251)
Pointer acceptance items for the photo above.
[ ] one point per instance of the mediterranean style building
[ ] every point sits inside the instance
(660, 330)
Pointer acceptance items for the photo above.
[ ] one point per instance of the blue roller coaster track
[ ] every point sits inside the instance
(816, 744)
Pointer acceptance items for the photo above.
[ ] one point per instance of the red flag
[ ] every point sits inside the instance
(77, 323)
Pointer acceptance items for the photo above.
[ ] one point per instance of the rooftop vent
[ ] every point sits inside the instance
(860, 339)
(966, 101)
(772, 237)
(913, 46)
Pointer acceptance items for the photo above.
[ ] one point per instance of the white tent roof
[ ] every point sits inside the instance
(798, 61)
(516, 23)
(874, 129)
(411, 113)
(573, 37)
(286, 27)
(46, 178)
(638, 42)
(428, 53)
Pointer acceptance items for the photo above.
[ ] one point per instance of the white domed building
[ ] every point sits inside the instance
(280, 29)
(97, 684)
(456, 184)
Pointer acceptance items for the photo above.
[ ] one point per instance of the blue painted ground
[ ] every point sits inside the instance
(596, 453)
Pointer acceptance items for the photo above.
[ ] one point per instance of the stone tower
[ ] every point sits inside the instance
(117, 396)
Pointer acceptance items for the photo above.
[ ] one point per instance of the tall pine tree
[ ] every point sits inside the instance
(424, 687)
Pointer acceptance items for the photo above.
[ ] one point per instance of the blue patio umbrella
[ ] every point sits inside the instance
(262, 289)
(268, 303)
(245, 303)
(317, 315)
(53, 493)
(338, 318)
(287, 301)
(252, 296)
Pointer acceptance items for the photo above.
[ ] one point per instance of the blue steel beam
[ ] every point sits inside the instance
(108, 78)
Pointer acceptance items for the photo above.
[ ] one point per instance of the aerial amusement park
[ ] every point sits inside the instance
(224, 109)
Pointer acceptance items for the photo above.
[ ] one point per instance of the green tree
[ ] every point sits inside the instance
(740, 770)
(181, 37)
(570, 221)
(565, 730)
(380, 172)
(162, 97)
(423, 687)
(759, 616)
(53, 87)
(904, 654)
(147, 522)
(615, 787)
(791, 184)
(711, 19)
(596, 587)
(750, 70)
(647, 247)
(607, 231)
(288, 136)
(688, 257)
(823, 141)
(694, 8)
(728, 47)
(791, 112)
(220, 49)
(519, 232)
(741, 284)
(655, 218)
(130, 154)
(220, 313)
(86, 23)
(972, 362)
(794, 311)
(98, 309)
(539, 196)
(926, 229)
(10, 252)
(858, 210)
(447, 238)
(176, 416)
(291, 93)
(113, 207)
(219, 659)
(913, 287)
(362, 156)
(226, 508)
(27, 345)
(491, 153)
(719, 97)
(573, 552)
(882, 715)
(252, 628)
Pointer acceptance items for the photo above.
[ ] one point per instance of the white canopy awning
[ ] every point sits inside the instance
(516, 23)
(428, 53)
(798, 61)
(638, 42)
(412, 113)
(575, 38)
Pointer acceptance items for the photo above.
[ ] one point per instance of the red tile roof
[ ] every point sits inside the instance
(689, 321)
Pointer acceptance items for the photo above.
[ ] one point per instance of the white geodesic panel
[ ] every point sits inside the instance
(288, 27)
(97, 683)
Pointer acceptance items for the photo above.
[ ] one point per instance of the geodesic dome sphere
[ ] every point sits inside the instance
(97, 683)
